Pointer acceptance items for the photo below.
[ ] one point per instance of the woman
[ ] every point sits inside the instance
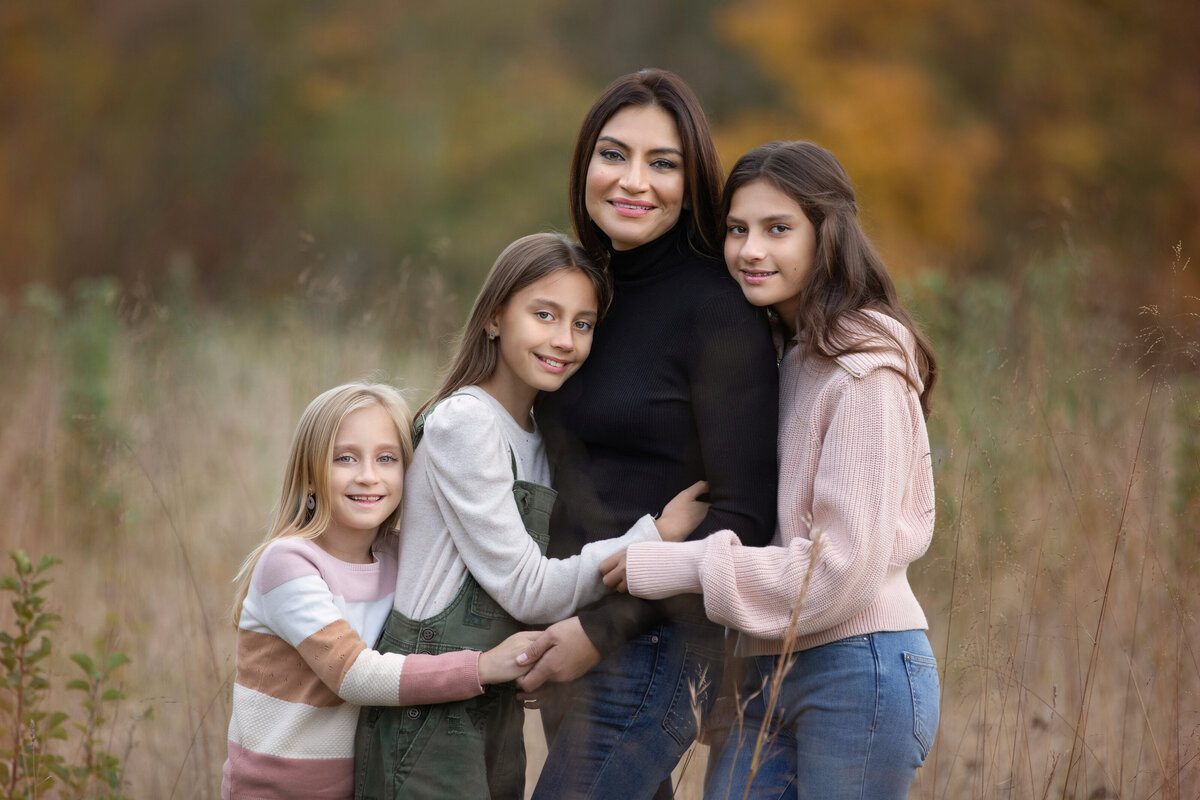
(680, 386)
(840, 677)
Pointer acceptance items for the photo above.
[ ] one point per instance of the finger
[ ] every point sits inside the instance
(534, 679)
(612, 579)
(698, 488)
(607, 564)
(535, 650)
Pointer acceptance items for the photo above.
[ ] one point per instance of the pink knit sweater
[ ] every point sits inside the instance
(856, 508)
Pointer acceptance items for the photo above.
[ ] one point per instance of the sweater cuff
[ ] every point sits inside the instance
(427, 679)
(655, 570)
(644, 530)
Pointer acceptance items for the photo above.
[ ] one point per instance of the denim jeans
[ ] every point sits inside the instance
(854, 719)
(618, 731)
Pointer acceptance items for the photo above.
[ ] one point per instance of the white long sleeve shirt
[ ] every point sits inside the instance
(460, 517)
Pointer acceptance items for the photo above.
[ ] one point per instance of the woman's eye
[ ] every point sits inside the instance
(779, 227)
(344, 459)
(544, 316)
(583, 325)
(736, 230)
(610, 155)
(387, 459)
(663, 164)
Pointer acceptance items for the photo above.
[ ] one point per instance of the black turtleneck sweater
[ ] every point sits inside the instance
(681, 385)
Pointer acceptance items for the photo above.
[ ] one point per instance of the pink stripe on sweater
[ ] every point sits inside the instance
(254, 776)
(291, 558)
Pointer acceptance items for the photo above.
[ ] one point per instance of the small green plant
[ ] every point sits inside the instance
(28, 767)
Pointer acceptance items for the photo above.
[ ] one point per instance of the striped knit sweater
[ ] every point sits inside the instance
(855, 473)
(305, 665)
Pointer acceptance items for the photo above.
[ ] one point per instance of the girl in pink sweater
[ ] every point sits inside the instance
(827, 606)
(313, 597)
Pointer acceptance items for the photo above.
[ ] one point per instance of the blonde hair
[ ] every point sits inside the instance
(308, 468)
(525, 261)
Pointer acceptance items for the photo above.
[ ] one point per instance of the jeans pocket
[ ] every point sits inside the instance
(923, 683)
(694, 692)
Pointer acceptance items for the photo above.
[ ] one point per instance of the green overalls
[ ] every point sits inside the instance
(463, 750)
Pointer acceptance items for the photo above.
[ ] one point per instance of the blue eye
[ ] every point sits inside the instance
(344, 459)
(387, 459)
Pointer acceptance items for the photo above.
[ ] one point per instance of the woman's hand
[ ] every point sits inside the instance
(612, 572)
(499, 664)
(563, 652)
(683, 513)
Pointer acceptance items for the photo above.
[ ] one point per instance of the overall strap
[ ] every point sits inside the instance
(419, 428)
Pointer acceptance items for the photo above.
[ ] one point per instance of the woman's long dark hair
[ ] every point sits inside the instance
(847, 274)
(702, 166)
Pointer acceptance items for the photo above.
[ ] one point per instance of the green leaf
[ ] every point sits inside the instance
(116, 660)
(47, 562)
(79, 684)
(85, 662)
(113, 694)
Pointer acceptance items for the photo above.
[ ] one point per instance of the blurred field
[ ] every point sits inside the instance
(142, 439)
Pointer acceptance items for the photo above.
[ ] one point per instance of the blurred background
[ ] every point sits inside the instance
(210, 212)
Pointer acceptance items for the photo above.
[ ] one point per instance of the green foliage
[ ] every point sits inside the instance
(28, 767)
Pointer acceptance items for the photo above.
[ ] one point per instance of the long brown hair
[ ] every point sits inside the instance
(310, 459)
(701, 164)
(525, 261)
(847, 274)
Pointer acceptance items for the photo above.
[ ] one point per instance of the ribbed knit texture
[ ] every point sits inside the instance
(855, 476)
(304, 666)
(680, 385)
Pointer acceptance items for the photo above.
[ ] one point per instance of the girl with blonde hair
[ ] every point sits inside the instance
(315, 593)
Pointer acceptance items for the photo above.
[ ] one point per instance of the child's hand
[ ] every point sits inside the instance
(612, 572)
(499, 664)
(683, 513)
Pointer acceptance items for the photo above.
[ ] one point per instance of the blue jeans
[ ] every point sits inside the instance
(854, 719)
(618, 731)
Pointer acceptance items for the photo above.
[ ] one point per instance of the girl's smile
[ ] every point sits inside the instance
(545, 333)
(769, 247)
(366, 482)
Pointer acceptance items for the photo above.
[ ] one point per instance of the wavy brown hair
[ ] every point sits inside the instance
(701, 164)
(847, 274)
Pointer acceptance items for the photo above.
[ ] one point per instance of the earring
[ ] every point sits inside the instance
(311, 505)
(491, 336)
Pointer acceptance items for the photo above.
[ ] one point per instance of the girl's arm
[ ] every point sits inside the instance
(293, 619)
(470, 475)
(866, 460)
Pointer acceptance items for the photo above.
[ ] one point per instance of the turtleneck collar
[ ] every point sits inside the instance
(653, 260)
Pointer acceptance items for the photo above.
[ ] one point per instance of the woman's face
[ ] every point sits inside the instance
(635, 182)
(770, 245)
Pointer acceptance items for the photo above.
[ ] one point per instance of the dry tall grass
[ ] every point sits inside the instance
(142, 440)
